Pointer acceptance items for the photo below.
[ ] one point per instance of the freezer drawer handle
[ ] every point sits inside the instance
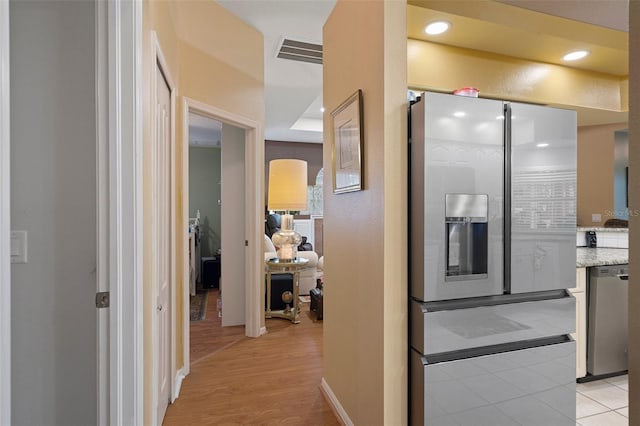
(623, 277)
(503, 299)
(493, 349)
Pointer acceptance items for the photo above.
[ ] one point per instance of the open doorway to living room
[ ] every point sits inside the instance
(307, 222)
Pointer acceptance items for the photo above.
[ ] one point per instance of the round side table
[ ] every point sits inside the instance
(275, 266)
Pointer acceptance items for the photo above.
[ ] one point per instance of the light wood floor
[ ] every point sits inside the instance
(208, 336)
(270, 380)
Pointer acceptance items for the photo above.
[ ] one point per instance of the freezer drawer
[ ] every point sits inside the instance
(526, 386)
(449, 326)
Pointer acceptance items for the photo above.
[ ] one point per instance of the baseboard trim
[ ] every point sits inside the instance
(177, 384)
(334, 403)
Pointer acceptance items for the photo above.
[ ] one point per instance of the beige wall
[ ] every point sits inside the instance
(365, 326)
(634, 203)
(595, 172)
(440, 67)
(194, 38)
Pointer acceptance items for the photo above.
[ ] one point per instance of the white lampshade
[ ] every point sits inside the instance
(287, 185)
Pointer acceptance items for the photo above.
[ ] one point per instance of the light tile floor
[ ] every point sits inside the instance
(603, 402)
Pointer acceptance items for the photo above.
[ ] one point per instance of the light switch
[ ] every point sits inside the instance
(596, 217)
(18, 246)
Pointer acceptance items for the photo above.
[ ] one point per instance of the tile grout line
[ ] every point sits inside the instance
(599, 414)
(604, 405)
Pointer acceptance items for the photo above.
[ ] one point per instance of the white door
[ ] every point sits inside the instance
(232, 278)
(162, 233)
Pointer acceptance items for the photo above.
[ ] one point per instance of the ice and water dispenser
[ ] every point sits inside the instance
(466, 221)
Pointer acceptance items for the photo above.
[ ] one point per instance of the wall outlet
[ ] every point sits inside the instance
(596, 217)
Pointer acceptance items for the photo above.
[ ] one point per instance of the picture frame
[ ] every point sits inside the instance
(347, 145)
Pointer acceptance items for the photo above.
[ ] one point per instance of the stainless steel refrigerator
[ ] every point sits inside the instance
(492, 231)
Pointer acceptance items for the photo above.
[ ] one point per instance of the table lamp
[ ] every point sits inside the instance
(287, 192)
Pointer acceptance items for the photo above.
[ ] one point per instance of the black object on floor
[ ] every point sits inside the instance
(210, 272)
(316, 302)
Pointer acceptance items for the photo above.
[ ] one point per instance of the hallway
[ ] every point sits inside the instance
(274, 379)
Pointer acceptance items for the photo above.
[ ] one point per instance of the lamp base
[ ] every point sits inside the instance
(287, 240)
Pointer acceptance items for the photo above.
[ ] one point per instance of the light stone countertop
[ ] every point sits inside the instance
(587, 257)
(601, 229)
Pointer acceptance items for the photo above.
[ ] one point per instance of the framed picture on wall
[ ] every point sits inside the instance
(347, 145)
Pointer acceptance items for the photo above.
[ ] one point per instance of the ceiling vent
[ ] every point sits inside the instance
(300, 51)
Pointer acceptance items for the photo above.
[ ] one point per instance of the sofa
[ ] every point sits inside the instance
(307, 276)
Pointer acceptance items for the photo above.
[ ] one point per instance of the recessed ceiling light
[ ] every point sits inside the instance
(437, 27)
(575, 55)
(459, 114)
(542, 145)
(500, 117)
(322, 109)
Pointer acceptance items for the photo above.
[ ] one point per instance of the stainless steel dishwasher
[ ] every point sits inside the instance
(607, 322)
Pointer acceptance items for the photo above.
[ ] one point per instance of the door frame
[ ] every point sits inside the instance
(158, 60)
(119, 222)
(254, 202)
(5, 220)
(102, 212)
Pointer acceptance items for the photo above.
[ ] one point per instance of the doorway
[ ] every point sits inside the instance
(216, 155)
(237, 244)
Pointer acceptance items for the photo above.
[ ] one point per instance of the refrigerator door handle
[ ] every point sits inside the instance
(507, 199)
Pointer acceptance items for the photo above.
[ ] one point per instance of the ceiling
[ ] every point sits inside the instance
(538, 30)
(293, 89)
(612, 14)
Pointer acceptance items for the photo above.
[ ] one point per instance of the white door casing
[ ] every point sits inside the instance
(5, 231)
(233, 218)
(163, 236)
(161, 240)
(102, 211)
(119, 200)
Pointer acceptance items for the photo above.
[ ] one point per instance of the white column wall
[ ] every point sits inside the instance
(53, 198)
